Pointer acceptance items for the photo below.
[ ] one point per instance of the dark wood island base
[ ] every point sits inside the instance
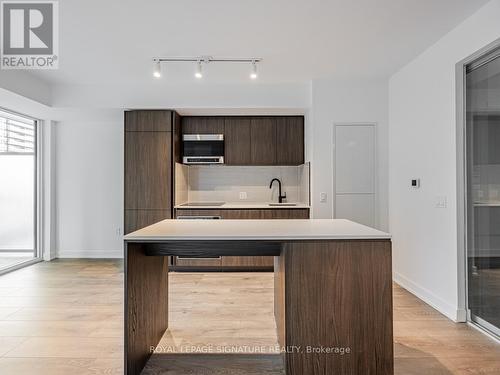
(333, 300)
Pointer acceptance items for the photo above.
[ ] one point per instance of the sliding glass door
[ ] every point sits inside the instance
(483, 191)
(18, 190)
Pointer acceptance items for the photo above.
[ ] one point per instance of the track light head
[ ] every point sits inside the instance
(253, 73)
(157, 69)
(199, 70)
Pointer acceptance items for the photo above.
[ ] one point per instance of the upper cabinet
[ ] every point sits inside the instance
(254, 140)
(290, 140)
(202, 125)
(263, 141)
(237, 141)
(148, 121)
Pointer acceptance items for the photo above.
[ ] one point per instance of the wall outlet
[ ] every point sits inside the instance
(243, 195)
(322, 197)
(441, 202)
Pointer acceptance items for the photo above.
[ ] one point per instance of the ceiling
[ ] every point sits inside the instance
(113, 41)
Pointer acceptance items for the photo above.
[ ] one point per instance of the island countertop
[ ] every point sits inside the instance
(307, 229)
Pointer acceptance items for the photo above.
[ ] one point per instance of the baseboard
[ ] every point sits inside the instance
(461, 316)
(448, 310)
(91, 254)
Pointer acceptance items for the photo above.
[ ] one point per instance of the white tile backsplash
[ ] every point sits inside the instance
(224, 183)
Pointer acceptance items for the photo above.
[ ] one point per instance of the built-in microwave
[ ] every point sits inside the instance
(203, 149)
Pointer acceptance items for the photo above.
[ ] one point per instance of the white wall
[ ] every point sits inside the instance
(346, 102)
(422, 144)
(163, 94)
(89, 184)
(27, 86)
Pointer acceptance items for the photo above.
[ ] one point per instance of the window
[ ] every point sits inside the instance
(18, 189)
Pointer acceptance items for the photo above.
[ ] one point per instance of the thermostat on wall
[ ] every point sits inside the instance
(415, 183)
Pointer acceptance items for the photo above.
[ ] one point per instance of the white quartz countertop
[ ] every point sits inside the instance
(241, 206)
(294, 229)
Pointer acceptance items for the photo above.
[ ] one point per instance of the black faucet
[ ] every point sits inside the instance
(280, 197)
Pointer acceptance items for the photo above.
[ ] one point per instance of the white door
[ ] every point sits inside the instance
(355, 173)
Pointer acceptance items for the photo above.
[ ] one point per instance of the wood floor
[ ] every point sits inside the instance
(65, 317)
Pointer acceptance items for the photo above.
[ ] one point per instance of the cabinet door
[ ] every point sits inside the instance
(148, 121)
(190, 212)
(198, 262)
(137, 219)
(148, 170)
(257, 261)
(241, 214)
(263, 140)
(237, 141)
(202, 125)
(286, 213)
(290, 140)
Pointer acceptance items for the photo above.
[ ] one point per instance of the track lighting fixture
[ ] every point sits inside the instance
(253, 74)
(157, 69)
(199, 70)
(200, 60)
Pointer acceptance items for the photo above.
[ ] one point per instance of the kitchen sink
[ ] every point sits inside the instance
(282, 204)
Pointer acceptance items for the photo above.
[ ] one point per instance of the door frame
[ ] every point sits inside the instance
(38, 209)
(463, 313)
(376, 220)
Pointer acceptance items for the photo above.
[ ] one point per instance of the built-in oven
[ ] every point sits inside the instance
(203, 148)
(193, 262)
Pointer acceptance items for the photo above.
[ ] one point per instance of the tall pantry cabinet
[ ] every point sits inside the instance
(152, 146)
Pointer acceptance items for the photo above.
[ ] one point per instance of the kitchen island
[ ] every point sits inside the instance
(333, 288)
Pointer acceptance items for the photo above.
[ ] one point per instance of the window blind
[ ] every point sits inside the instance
(17, 134)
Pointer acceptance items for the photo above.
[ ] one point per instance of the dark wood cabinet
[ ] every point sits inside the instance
(176, 140)
(290, 140)
(237, 141)
(263, 141)
(201, 212)
(242, 214)
(137, 219)
(248, 262)
(148, 121)
(152, 143)
(254, 140)
(271, 213)
(289, 213)
(246, 214)
(148, 170)
(202, 125)
(198, 262)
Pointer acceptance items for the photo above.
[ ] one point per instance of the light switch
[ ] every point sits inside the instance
(322, 197)
(415, 183)
(441, 202)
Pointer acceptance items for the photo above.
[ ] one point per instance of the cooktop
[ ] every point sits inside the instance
(203, 204)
